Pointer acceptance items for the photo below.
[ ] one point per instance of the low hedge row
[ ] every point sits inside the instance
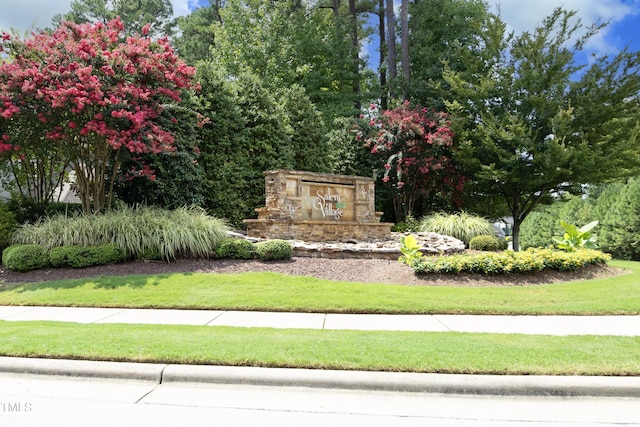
(269, 250)
(25, 257)
(509, 262)
(487, 243)
(32, 257)
(86, 256)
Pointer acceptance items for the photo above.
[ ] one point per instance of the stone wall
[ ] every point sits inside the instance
(318, 207)
(430, 244)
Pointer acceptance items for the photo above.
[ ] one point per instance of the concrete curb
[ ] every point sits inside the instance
(83, 368)
(409, 382)
(355, 380)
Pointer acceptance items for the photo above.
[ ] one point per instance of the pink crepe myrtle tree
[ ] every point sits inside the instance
(414, 146)
(91, 91)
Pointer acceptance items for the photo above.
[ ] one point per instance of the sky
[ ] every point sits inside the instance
(520, 15)
(24, 14)
(623, 17)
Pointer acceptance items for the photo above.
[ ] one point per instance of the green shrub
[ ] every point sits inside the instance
(80, 257)
(8, 224)
(408, 226)
(541, 227)
(235, 248)
(179, 175)
(26, 209)
(485, 243)
(5, 251)
(615, 205)
(26, 257)
(63, 208)
(529, 261)
(463, 226)
(29, 210)
(150, 254)
(59, 257)
(538, 228)
(273, 250)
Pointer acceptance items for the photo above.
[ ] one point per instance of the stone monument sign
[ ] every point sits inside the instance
(318, 207)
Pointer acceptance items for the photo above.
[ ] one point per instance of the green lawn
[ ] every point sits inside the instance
(356, 350)
(389, 351)
(275, 292)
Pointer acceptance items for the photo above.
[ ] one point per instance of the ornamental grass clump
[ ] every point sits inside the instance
(183, 232)
(461, 225)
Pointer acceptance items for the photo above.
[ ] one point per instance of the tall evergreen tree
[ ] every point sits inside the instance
(196, 35)
(531, 130)
(620, 222)
(441, 31)
(291, 42)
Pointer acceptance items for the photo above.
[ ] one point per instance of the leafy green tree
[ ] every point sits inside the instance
(90, 92)
(250, 129)
(529, 129)
(414, 148)
(603, 198)
(245, 135)
(441, 31)
(134, 14)
(222, 154)
(266, 140)
(177, 178)
(348, 156)
(306, 129)
(539, 228)
(196, 35)
(38, 170)
(290, 42)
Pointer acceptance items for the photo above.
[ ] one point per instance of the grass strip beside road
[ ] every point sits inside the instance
(438, 352)
(277, 292)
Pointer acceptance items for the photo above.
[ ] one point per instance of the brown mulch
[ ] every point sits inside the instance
(355, 270)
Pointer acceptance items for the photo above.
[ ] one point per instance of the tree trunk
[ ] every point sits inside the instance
(404, 48)
(391, 47)
(403, 204)
(90, 166)
(516, 233)
(384, 90)
(355, 46)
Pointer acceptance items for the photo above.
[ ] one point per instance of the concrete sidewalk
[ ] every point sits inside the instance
(628, 387)
(545, 325)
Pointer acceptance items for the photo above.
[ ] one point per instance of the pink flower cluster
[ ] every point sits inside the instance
(90, 81)
(416, 146)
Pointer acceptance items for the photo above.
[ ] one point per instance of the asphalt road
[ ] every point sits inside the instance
(29, 400)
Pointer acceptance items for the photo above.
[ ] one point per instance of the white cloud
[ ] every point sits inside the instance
(525, 15)
(23, 15)
(182, 7)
